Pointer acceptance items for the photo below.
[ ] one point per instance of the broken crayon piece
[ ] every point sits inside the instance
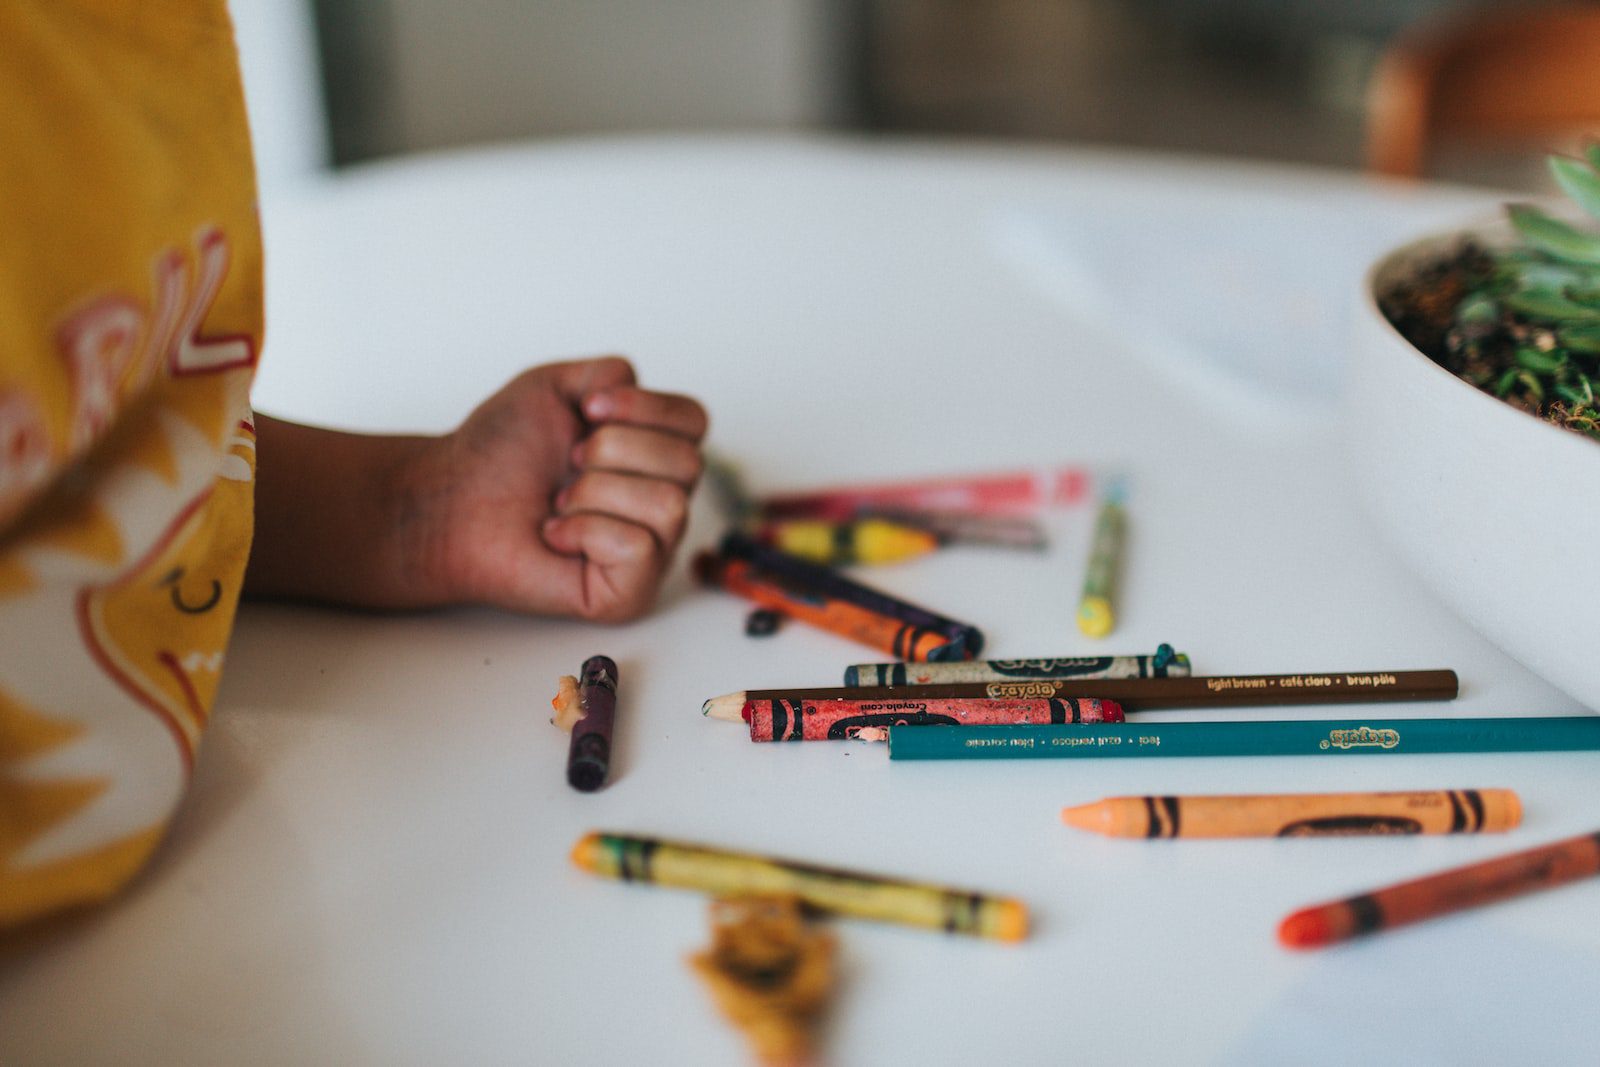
(589, 757)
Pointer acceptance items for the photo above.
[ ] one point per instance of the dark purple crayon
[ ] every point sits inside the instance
(589, 759)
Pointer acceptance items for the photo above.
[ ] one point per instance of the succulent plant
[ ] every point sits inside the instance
(1526, 326)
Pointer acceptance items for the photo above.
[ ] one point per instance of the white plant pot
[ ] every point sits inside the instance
(1497, 511)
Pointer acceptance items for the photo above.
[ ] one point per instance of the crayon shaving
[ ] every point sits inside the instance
(567, 706)
(769, 973)
(872, 733)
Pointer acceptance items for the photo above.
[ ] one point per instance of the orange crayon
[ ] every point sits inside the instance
(900, 639)
(1441, 811)
(1440, 894)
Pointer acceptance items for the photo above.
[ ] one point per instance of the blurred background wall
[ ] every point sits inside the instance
(1266, 79)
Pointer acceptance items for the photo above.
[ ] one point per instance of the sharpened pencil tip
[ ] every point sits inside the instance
(726, 707)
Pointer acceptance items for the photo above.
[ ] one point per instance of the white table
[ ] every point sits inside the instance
(372, 865)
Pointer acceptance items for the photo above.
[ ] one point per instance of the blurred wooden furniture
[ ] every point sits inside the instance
(1517, 77)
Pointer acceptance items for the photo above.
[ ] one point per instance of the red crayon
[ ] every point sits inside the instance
(837, 720)
(1016, 492)
(1439, 894)
(900, 639)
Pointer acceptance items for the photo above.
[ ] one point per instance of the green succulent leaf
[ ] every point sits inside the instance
(1548, 304)
(1591, 152)
(1579, 181)
(1547, 275)
(1577, 395)
(1580, 338)
(1541, 362)
(1556, 238)
(1478, 307)
(1586, 295)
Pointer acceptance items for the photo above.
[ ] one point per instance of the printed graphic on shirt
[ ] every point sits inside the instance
(118, 586)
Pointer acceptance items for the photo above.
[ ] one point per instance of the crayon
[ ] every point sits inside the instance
(1096, 614)
(1145, 694)
(836, 616)
(864, 896)
(589, 757)
(1013, 492)
(1340, 738)
(1456, 889)
(836, 720)
(1437, 811)
(959, 528)
(870, 541)
(1164, 664)
(813, 578)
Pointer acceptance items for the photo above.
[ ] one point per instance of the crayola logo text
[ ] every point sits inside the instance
(1361, 737)
(1021, 690)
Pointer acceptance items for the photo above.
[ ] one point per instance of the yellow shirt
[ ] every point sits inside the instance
(130, 319)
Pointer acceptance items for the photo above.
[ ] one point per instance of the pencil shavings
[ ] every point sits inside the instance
(769, 973)
(566, 704)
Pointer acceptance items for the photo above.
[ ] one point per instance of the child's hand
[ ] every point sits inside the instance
(565, 493)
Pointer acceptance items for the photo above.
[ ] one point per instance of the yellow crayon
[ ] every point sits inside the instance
(865, 896)
(857, 541)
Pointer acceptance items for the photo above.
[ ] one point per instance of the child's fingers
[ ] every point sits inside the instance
(574, 380)
(622, 563)
(659, 506)
(670, 412)
(603, 539)
(636, 450)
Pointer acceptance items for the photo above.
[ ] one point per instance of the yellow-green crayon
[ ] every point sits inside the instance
(1096, 614)
(865, 896)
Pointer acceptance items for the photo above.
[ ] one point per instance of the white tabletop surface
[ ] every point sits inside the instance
(371, 867)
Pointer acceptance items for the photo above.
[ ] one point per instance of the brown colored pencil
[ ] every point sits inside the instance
(1439, 894)
(1144, 694)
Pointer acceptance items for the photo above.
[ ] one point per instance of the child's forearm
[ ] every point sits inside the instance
(335, 518)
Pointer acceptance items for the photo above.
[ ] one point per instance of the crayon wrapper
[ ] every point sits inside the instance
(1000, 670)
(1101, 577)
(1458, 811)
(1013, 493)
(845, 892)
(808, 579)
(842, 720)
(836, 616)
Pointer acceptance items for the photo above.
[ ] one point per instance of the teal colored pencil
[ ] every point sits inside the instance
(1271, 738)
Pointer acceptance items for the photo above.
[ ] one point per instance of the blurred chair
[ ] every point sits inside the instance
(1516, 77)
(283, 90)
